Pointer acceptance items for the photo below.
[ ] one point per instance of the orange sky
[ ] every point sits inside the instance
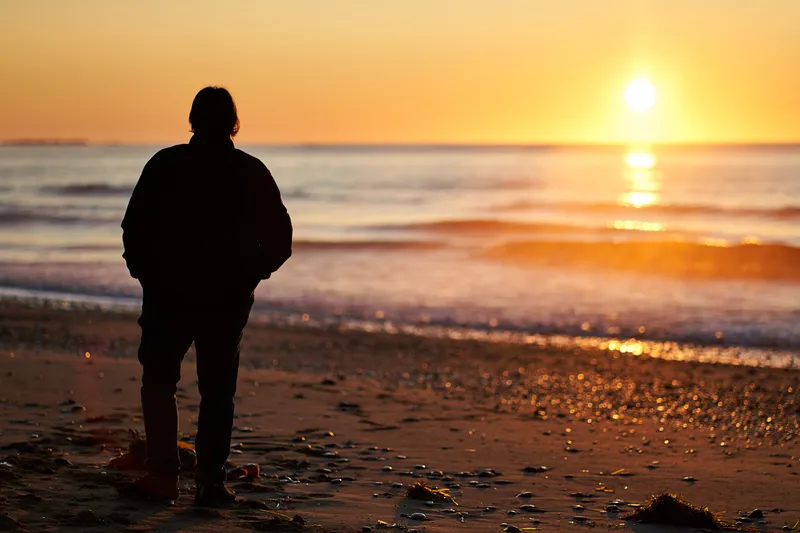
(409, 71)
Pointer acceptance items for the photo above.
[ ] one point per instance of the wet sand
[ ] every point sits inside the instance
(341, 423)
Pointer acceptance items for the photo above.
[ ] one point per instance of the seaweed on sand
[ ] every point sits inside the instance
(422, 491)
(279, 522)
(671, 509)
(134, 457)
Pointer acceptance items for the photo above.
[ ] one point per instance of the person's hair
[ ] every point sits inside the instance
(214, 113)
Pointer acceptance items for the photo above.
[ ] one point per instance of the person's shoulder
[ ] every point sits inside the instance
(250, 163)
(170, 153)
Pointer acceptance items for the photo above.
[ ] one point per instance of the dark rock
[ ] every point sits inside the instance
(85, 519)
(528, 508)
(252, 504)
(9, 523)
(120, 518)
(188, 458)
(535, 469)
(22, 447)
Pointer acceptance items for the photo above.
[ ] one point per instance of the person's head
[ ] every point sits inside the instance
(213, 113)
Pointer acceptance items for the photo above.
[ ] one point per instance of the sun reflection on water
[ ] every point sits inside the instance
(638, 199)
(718, 243)
(636, 225)
(632, 347)
(640, 160)
(643, 184)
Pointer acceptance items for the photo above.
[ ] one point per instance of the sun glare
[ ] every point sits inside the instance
(638, 199)
(640, 94)
(640, 160)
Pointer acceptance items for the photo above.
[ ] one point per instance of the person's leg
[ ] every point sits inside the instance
(166, 336)
(161, 352)
(217, 347)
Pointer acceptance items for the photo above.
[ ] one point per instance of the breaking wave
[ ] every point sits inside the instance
(373, 245)
(10, 216)
(86, 189)
(490, 226)
(773, 262)
(788, 212)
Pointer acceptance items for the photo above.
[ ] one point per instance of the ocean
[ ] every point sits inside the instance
(682, 252)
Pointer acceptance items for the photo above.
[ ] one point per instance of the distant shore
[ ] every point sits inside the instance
(45, 142)
(341, 422)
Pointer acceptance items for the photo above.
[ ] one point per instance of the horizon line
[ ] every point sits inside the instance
(66, 142)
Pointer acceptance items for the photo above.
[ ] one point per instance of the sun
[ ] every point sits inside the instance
(640, 94)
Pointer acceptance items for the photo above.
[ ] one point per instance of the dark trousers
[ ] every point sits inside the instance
(170, 323)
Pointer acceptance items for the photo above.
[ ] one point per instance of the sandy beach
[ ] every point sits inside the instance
(342, 423)
(515, 266)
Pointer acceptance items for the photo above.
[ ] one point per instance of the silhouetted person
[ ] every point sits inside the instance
(204, 225)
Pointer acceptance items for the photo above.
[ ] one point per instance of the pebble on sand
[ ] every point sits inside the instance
(535, 469)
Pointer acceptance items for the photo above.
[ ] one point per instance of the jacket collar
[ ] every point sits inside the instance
(207, 141)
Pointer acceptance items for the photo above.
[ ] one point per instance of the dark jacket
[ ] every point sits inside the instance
(207, 213)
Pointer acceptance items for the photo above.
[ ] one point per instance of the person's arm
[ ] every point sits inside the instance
(138, 225)
(274, 226)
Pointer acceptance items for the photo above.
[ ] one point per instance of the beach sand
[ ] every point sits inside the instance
(380, 412)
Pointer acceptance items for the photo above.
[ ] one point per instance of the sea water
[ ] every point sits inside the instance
(689, 245)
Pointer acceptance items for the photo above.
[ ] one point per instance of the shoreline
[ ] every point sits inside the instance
(636, 426)
(625, 342)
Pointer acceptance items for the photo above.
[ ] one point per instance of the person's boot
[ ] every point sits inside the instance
(151, 487)
(213, 495)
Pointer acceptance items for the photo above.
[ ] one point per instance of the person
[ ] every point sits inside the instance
(204, 225)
